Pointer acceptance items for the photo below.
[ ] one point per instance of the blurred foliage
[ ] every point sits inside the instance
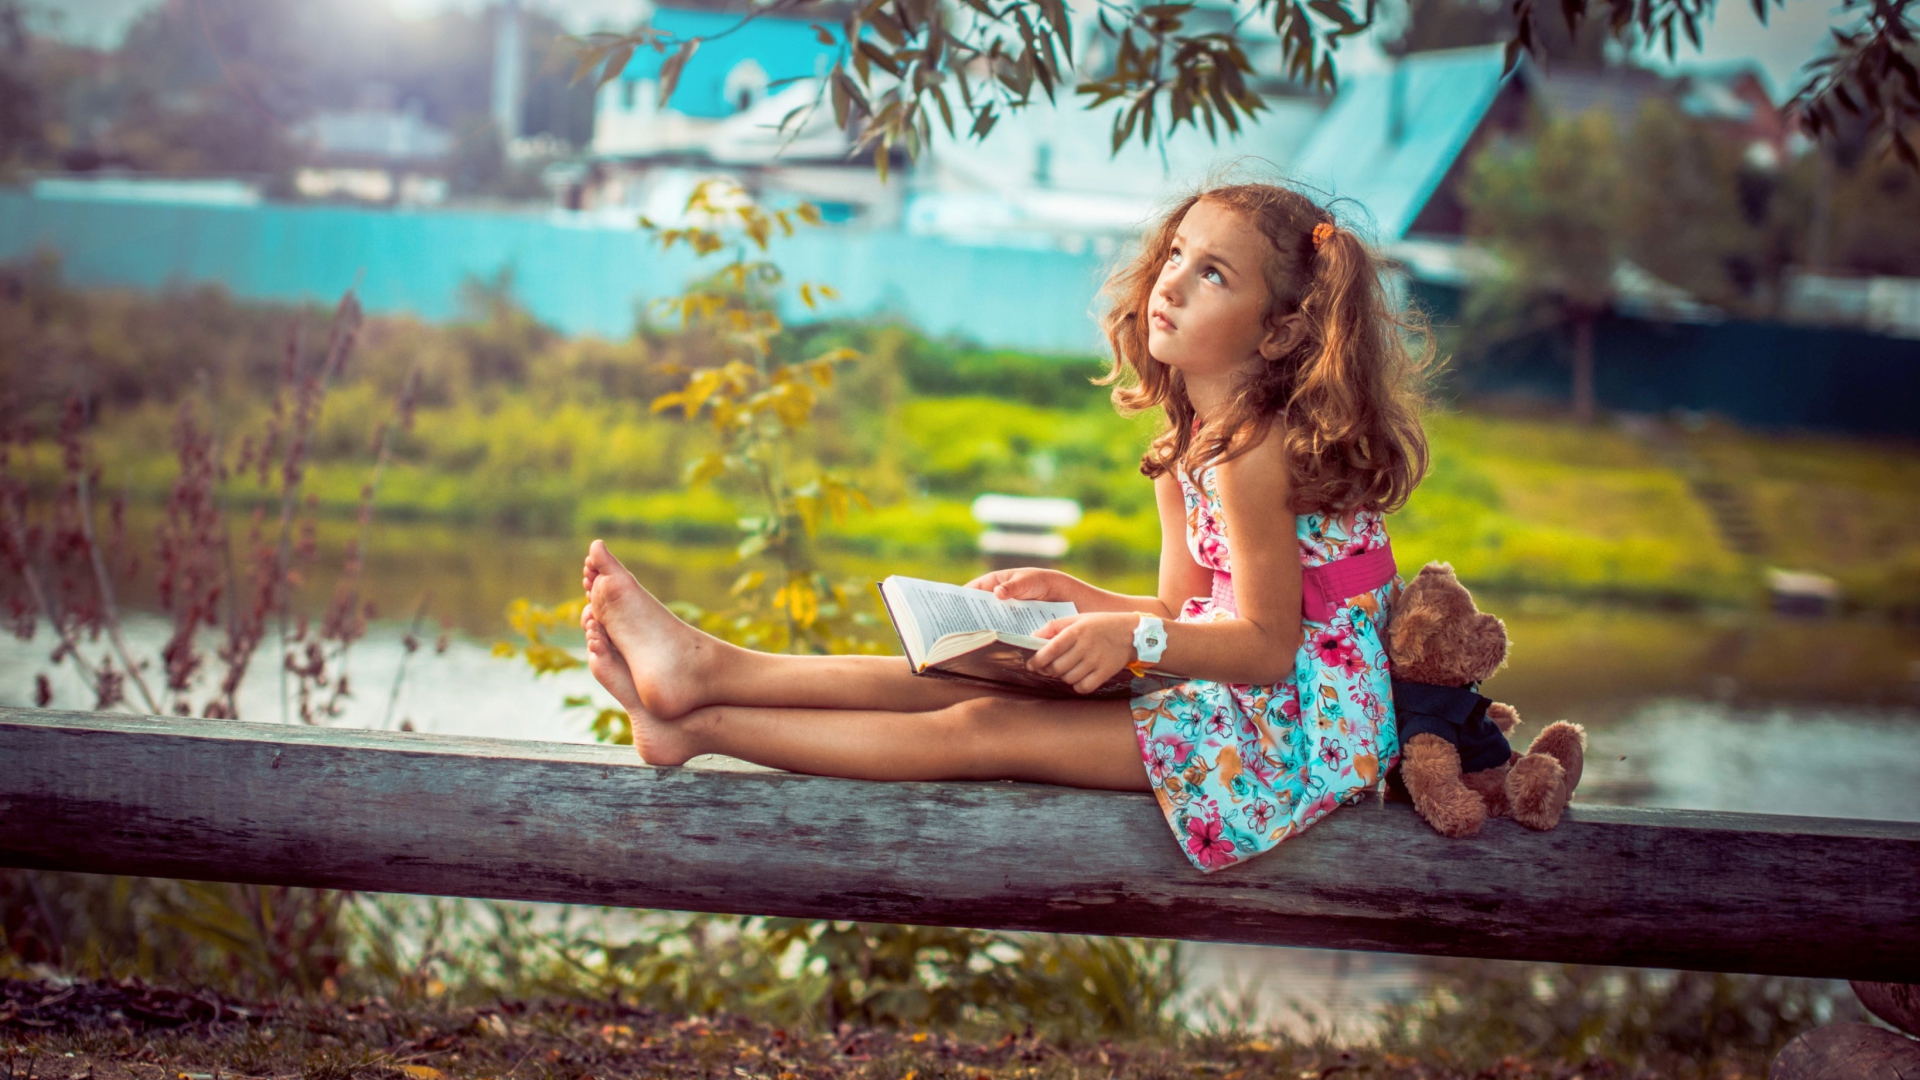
(265, 943)
(221, 87)
(1479, 1010)
(757, 404)
(816, 975)
(1568, 200)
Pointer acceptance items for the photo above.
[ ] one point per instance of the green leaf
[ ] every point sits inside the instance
(671, 68)
(616, 63)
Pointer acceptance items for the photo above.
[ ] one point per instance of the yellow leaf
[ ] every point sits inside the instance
(809, 508)
(748, 582)
(706, 468)
(830, 293)
(423, 1072)
(806, 294)
(802, 602)
(504, 649)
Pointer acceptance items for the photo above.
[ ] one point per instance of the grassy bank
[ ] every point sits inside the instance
(1516, 505)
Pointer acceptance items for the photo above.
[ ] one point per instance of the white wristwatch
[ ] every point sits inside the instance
(1149, 639)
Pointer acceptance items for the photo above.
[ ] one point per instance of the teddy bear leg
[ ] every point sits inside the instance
(1491, 786)
(1430, 767)
(1567, 742)
(1538, 791)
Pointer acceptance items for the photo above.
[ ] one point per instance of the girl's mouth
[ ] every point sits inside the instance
(1159, 321)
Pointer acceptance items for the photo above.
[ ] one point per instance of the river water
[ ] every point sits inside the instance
(1743, 711)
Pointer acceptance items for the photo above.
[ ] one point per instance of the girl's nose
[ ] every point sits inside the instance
(1169, 288)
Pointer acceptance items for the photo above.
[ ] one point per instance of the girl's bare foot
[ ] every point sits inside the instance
(659, 742)
(670, 661)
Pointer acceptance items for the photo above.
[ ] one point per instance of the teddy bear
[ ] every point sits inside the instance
(1456, 766)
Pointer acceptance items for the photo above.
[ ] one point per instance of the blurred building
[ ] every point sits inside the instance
(1399, 141)
(376, 152)
(744, 105)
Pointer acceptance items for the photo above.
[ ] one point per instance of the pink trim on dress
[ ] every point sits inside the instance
(1326, 588)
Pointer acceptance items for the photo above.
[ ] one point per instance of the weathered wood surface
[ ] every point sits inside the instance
(543, 821)
(1896, 1003)
(1848, 1050)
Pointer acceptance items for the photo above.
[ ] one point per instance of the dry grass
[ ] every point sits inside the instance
(573, 1040)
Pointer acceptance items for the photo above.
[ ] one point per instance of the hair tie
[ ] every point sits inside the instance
(1320, 234)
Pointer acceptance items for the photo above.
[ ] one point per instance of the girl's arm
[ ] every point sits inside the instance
(1180, 576)
(1258, 647)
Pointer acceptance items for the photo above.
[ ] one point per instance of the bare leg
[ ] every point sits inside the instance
(678, 668)
(1087, 744)
(1078, 743)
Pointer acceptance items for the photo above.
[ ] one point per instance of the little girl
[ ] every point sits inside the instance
(1260, 328)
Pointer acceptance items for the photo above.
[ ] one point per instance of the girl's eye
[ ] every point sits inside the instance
(1173, 255)
(1214, 276)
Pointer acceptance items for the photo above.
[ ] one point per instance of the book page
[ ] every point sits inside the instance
(939, 609)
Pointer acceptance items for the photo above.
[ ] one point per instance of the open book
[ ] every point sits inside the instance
(953, 632)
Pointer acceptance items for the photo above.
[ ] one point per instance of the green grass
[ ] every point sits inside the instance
(1514, 505)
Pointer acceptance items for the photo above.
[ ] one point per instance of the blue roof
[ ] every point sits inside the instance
(784, 49)
(1355, 153)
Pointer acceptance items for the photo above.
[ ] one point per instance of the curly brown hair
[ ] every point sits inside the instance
(1347, 398)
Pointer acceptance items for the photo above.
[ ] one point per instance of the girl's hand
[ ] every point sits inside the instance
(1087, 649)
(1026, 583)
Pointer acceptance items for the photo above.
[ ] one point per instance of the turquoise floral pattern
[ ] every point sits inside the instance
(1238, 769)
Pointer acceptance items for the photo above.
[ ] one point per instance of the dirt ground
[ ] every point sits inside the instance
(130, 1031)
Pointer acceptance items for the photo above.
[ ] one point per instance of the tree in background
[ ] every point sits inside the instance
(1700, 213)
(905, 65)
(1549, 208)
(213, 86)
(1453, 24)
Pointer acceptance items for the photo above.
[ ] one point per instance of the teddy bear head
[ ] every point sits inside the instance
(1437, 636)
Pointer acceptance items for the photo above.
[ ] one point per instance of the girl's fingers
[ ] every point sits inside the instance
(1079, 675)
(1054, 658)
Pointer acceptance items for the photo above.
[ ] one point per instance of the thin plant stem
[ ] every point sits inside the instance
(44, 602)
(109, 607)
(406, 657)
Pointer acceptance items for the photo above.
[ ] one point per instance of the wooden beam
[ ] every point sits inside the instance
(452, 816)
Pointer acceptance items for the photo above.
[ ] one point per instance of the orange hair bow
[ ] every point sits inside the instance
(1320, 234)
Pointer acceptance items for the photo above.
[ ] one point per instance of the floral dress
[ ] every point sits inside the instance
(1236, 768)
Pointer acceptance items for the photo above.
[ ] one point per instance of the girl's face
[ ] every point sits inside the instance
(1207, 317)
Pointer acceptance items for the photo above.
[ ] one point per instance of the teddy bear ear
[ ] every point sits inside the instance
(1408, 632)
(1485, 648)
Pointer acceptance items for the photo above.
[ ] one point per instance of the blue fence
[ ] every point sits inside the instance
(579, 278)
(1767, 375)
